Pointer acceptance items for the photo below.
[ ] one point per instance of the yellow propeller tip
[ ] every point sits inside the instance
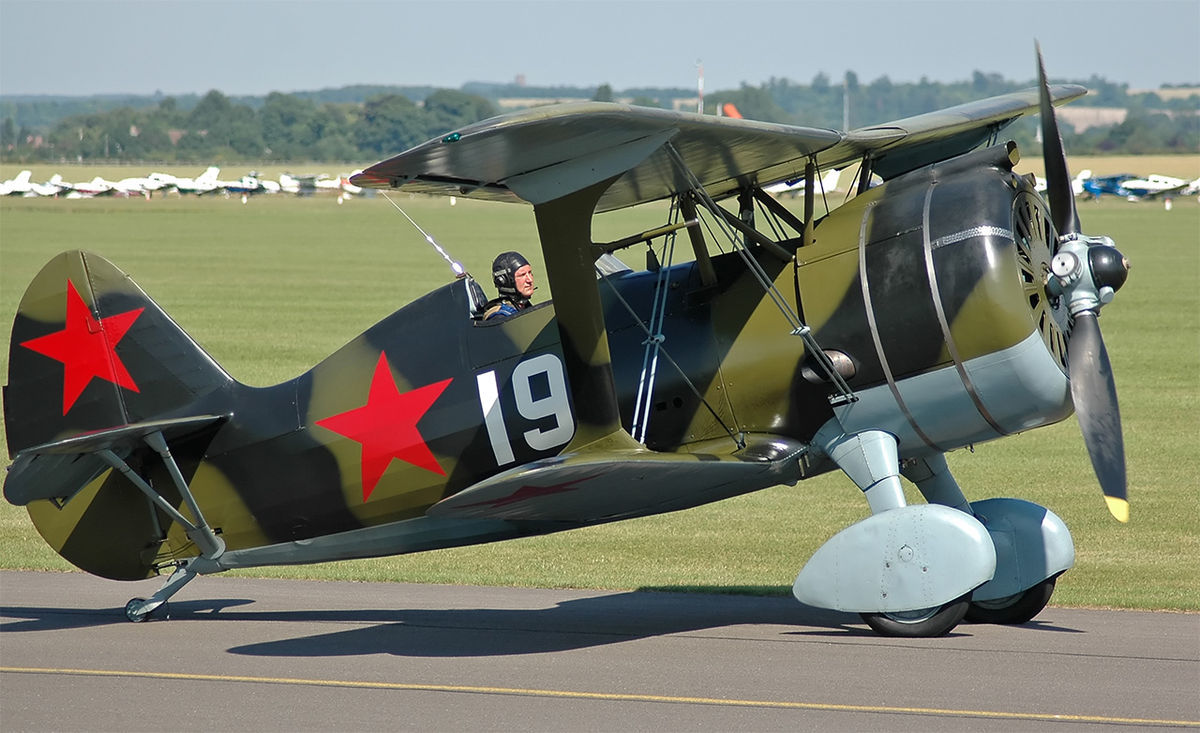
(1119, 508)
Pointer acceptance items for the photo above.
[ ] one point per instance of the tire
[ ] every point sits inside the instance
(159, 613)
(132, 614)
(920, 624)
(1015, 609)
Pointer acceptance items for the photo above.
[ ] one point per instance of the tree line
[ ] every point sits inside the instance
(1152, 124)
(286, 127)
(367, 123)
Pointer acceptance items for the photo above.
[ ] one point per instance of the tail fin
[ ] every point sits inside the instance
(91, 351)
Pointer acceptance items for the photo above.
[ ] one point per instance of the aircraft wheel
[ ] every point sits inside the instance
(1015, 609)
(131, 610)
(922, 623)
(134, 613)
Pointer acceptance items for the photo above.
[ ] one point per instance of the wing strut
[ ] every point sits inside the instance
(564, 227)
(799, 328)
(704, 265)
(211, 546)
(654, 349)
(654, 340)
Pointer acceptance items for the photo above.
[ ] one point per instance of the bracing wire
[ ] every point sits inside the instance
(455, 266)
(798, 327)
(653, 344)
(737, 439)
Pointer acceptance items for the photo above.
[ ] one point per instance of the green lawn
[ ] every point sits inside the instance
(271, 287)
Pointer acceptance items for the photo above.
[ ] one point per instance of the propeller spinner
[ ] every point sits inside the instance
(1086, 271)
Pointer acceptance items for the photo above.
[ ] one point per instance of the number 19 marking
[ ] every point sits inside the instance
(553, 404)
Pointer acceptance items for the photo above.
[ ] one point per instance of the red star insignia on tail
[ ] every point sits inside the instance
(87, 348)
(387, 426)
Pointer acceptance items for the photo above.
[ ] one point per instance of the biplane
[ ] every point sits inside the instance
(944, 304)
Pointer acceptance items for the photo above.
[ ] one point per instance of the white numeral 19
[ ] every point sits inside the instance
(554, 404)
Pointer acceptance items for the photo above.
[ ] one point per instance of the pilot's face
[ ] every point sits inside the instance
(524, 281)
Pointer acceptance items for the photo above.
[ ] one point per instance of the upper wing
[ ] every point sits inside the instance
(480, 161)
(487, 160)
(913, 142)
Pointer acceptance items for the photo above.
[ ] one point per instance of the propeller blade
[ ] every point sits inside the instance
(1058, 178)
(1095, 395)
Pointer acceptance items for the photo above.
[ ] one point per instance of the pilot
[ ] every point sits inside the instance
(514, 280)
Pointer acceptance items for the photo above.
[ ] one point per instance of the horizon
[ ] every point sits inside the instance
(572, 87)
(290, 47)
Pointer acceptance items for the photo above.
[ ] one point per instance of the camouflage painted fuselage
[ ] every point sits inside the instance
(919, 287)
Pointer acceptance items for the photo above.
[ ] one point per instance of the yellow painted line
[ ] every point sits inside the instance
(607, 696)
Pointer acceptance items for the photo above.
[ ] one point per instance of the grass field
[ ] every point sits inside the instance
(271, 287)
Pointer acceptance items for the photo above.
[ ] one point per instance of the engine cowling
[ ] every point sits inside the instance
(936, 292)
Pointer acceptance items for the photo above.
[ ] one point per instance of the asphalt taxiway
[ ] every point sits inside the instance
(248, 654)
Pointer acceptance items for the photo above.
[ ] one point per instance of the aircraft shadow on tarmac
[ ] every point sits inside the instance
(479, 632)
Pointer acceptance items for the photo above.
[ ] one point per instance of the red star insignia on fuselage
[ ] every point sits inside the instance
(87, 348)
(387, 426)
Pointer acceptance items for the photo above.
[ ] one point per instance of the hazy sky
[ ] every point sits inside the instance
(258, 46)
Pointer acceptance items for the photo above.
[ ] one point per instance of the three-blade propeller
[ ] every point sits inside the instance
(1086, 271)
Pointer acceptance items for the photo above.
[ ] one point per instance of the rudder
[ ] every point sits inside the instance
(94, 366)
(90, 350)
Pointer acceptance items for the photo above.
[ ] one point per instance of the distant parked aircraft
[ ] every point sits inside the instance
(250, 184)
(1134, 188)
(311, 183)
(1153, 185)
(95, 187)
(1076, 182)
(23, 186)
(827, 184)
(206, 182)
(16, 186)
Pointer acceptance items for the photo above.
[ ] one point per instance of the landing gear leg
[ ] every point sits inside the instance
(207, 541)
(871, 461)
(140, 609)
(935, 482)
(1033, 547)
(870, 458)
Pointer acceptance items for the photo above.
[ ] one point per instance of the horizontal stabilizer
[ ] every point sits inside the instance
(615, 484)
(59, 469)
